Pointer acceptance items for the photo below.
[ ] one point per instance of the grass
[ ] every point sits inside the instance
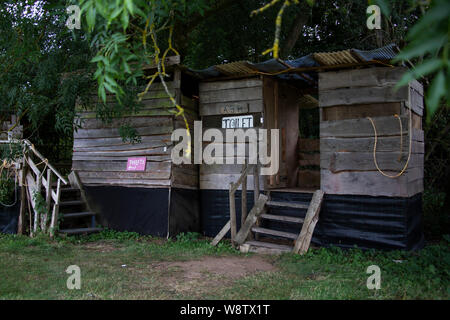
(127, 266)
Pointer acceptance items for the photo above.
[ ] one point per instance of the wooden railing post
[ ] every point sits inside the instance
(55, 209)
(232, 213)
(244, 197)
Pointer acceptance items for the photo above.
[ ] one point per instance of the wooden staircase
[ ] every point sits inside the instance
(260, 229)
(75, 217)
(299, 218)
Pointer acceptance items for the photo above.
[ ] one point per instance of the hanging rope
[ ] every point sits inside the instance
(401, 145)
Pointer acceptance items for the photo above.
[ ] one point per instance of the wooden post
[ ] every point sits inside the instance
(251, 219)
(244, 197)
(55, 209)
(221, 234)
(48, 199)
(23, 195)
(312, 216)
(232, 213)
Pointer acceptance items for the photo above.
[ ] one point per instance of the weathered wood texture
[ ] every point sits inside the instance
(231, 97)
(312, 216)
(100, 155)
(347, 137)
(366, 86)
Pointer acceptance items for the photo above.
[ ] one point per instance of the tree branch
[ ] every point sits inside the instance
(294, 33)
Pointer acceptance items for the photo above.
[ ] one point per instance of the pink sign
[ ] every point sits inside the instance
(136, 164)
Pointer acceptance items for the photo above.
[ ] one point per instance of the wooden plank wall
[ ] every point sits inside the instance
(100, 156)
(346, 99)
(227, 98)
(309, 163)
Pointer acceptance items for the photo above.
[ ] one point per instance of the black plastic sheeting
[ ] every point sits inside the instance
(9, 217)
(184, 211)
(215, 210)
(344, 221)
(141, 210)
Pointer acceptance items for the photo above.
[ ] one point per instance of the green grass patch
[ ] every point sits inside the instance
(125, 265)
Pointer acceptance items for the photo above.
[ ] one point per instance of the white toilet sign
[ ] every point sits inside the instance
(237, 122)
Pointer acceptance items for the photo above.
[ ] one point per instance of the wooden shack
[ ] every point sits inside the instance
(372, 195)
(162, 200)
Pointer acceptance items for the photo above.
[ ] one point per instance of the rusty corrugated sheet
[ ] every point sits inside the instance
(335, 58)
(238, 68)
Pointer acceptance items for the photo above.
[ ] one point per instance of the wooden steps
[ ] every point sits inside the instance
(276, 233)
(279, 204)
(78, 218)
(270, 241)
(78, 214)
(80, 231)
(264, 247)
(281, 218)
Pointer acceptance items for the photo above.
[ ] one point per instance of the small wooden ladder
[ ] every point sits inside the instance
(268, 238)
(76, 217)
(254, 238)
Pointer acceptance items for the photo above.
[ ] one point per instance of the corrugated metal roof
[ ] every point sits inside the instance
(335, 58)
(289, 69)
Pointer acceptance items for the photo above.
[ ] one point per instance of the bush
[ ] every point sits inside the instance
(436, 220)
(7, 187)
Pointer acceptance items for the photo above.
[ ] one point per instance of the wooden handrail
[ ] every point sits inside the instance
(39, 155)
(233, 187)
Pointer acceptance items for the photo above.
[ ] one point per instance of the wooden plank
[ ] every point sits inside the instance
(118, 141)
(94, 157)
(384, 144)
(126, 153)
(163, 127)
(251, 219)
(128, 146)
(231, 107)
(281, 218)
(276, 233)
(127, 182)
(264, 247)
(153, 175)
(221, 234)
(364, 161)
(355, 111)
(115, 123)
(308, 145)
(308, 178)
(229, 95)
(291, 205)
(362, 95)
(369, 77)
(309, 159)
(118, 166)
(312, 216)
(232, 204)
(55, 212)
(230, 84)
(357, 128)
(371, 183)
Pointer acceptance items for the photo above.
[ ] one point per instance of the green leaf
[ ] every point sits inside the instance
(125, 19)
(419, 48)
(437, 13)
(435, 93)
(130, 6)
(427, 67)
(90, 18)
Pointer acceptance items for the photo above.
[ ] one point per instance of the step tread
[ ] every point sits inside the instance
(287, 205)
(269, 245)
(277, 233)
(78, 214)
(71, 202)
(282, 218)
(80, 230)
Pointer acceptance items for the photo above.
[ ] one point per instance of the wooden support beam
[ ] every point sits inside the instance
(312, 216)
(257, 209)
(221, 233)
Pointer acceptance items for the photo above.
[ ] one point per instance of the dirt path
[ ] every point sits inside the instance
(209, 274)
